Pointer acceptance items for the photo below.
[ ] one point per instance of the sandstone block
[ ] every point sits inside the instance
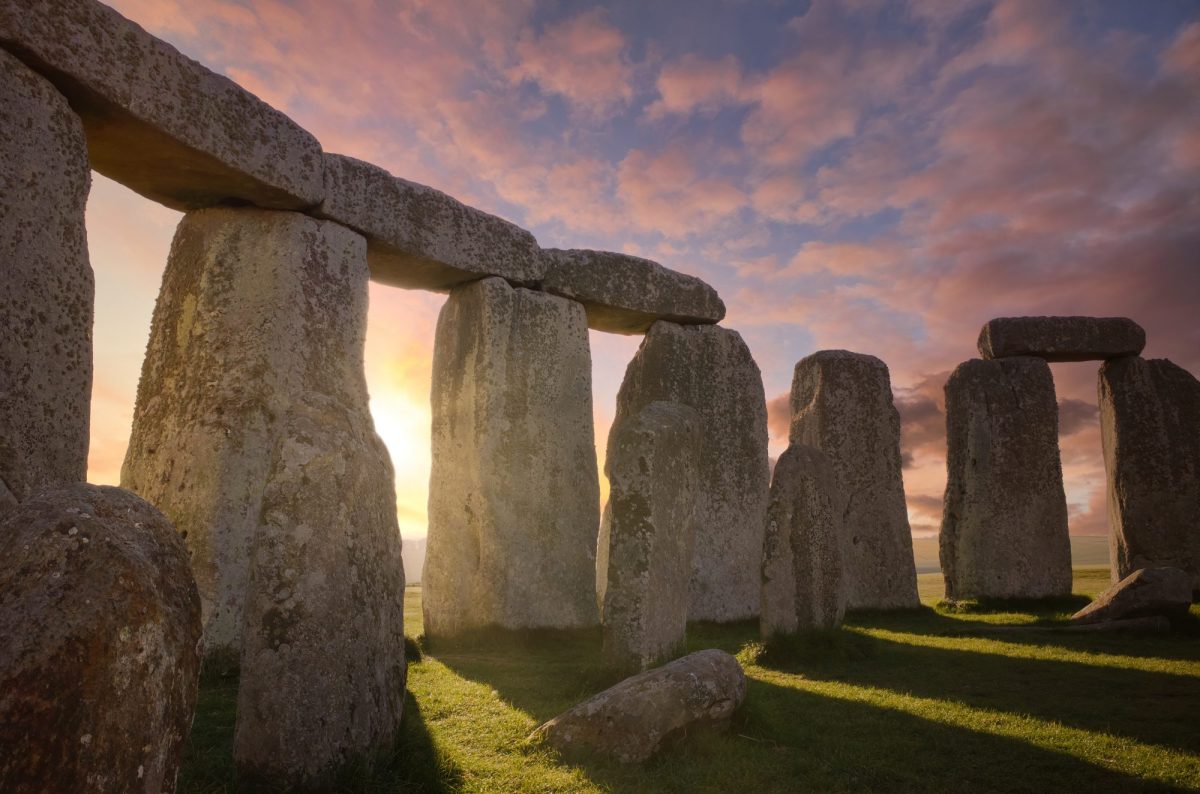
(1145, 593)
(803, 578)
(626, 294)
(514, 491)
(842, 405)
(1004, 526)
(99, 663)
(710, 369)
(633, 720)
(419, 237)
(644, 553)
(157, 121)
(1061, 338)
(47, 294)
(1150, 431)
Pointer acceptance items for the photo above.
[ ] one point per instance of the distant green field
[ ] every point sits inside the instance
(895, 702)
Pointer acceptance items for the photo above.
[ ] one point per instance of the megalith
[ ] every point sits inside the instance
(1150, 431)
(842, 405)
(1061, 338)
(99, 661)
(710, 369)
(1004, 522)
(514, 494)
(644, 553)
(803, 577)
(47, 294)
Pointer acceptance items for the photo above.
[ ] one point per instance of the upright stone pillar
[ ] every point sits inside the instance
(46, 288)
(842, 405)
(710, 369)
(1004, 525)
(1150, 430)
(514, 496)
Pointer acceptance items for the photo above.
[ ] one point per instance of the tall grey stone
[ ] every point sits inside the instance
(710, 369)
(804, 582)
(1150, 430)
(1004, 525)
(514, 496)
(1061, 338)
(842, 405)
(644, 553)
(47, 289)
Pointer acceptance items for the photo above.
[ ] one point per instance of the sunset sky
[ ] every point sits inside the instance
(877, 176)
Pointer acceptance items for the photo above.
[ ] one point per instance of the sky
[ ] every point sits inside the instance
(882, 176)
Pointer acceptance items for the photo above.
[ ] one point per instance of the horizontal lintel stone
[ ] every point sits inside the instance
(157, 121)
(1061, 338)
(625, 294)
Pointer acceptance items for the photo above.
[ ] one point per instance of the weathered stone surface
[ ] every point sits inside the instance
(323, 667)
(1004, 525)
(633, 720)
(47, 292)
(842, 405)
(1150, 430)
(644, 553)
(1061, 338)
(99, 662)
(804, 583)
(157, 121)
(259, 311)
(514, 492)
(710, 369)
(420, 237)
(1147, 592)
(626, 294)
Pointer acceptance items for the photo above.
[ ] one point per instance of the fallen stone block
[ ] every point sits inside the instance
(1061, 338)
(1148, 592)
(633, 720)
(626, 294)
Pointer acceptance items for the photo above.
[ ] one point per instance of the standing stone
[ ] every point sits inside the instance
(99, 661)
(644, 554)
(47, 293)
(1061, 338)
(514, 495)
(1004, 525)
(804, 584)
(842, 405)
(709, 369)
(1150, 430)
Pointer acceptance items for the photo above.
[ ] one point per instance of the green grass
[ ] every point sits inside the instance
(910, 701)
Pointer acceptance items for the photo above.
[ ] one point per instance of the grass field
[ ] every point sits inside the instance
(914, 701)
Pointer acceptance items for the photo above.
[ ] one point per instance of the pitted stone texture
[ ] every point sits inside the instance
(644, 553)
(710, 369)
(47, 289)
(157, 121)
(633, 720)
(1150, 430)
(626, 294)
(514, 494)
(1004, 524)
(323, 667)
(1147, 592)
(99, 663)
(1061, 338)
(259, 311)
(804, 584)
(842, 405)
(419, 237)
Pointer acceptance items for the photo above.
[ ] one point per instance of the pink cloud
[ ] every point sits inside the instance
(693, 83)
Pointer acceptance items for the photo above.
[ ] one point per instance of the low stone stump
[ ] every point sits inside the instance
(633, 720)
(1061, 338)
(46, 288)
(1004, 524)
(644, 552)
(842, 405)
(803, 580)
(1149, 420)
(1145, 593)
(99, 661)
(710, 369)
